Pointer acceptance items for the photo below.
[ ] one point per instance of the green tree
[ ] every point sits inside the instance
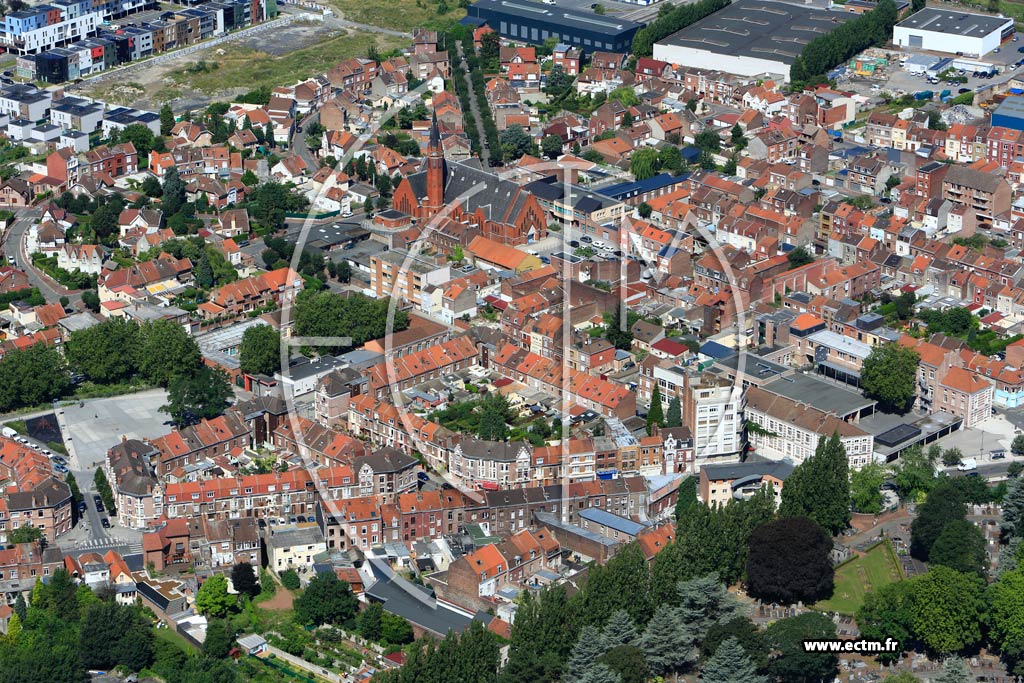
(619, 630)
(106, 353)
(1017, 446)
(357, 317)
(888, 613)
(166, 120)
(819, 487)
(947, 608)
(866, 488)
(668, 643)
(655, 416)
(515, 142)
(260, 350)
(213, 599)
(1005, 617)
(645, 210)
(166, 350)
(326, 600)
(750, 637)
(203, 394)
(730, 664)
(944, 505)
(889, 375)
(31, 377)
(395, 629)
(112, 635)
(99, 480)
(954, 670)
(799, 257)
(914, 473)
(173, 198)
(790, 663)
(551, 146)
(960, 546)
(588, 648)
(26, 533)
(1012, 525)
(368, 622)
(495, 413)
(220, 638)
(644, 163)
(628, 662)
(290, 579)
(686, 498)
(675, 413)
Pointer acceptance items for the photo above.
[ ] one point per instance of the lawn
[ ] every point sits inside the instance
(400, 15)
(876, 568)
(256, 69)
(172, 636)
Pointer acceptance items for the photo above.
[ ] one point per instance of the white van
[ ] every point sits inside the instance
(967, 465)
(8, 432)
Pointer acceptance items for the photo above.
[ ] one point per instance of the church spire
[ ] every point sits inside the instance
(435, 134)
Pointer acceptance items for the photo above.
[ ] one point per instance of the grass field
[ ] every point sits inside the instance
(400, 15)
(876, 568)
(172, 636)
(255, 69)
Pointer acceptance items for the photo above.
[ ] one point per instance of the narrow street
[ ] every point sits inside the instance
(485, 153)
(14, 245)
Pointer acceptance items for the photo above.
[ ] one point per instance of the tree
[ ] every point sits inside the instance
(495, 413)
(600, 673)
(1005, 617)
(213, 599)
(790, 662)
(490, 46)
(368, 621)
(588, 648)
(819, 487)
(620, 630)
(750, 637)
(943, 506)
(866, 488)
(200, 395)
(730, 664)
(166, 350)
(260, 350)
(888, 375)
(515, 142)
(644, 209)
(325, 601)
(947, 608)
(960, 546)
(31, 377)
(914, 473)
(91, 299)
(173, 197)
(139, 135)
(668, 643)
(243, 579)
(167, 120)
(952, 457)
(220, 638)
(675, 413)
(799, 257)
(655, 416)
(686, 497)
(551, 146)
(1012, 525)
(954, 670)
(628, 662)
(106, 353)
(356, 317)
(290, 579)
(99, 480)
(644, 163)
(111, 635)
(395, 629)
(26, 533)
(1017, 447)
(670, 159)
(790, 561)
(887, 612)
(269, 202)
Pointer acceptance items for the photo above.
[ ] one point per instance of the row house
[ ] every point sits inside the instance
(989, 195)
(121, 159)
(32, 495)
(492, 568)
(205, 440)
(252, 293)
(316, 443)
(412, 369)
(138, 493)
(384, 424)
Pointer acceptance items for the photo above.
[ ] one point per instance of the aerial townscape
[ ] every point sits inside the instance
(511, 341)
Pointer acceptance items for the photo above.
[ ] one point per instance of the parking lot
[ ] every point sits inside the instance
(96, 425)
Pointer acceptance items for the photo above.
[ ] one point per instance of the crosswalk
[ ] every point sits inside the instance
(121, 545)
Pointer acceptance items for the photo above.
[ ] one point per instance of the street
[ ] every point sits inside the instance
(14, 246)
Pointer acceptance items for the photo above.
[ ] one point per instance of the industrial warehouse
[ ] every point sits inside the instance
(953, 32)
(750, 37)
(534, 22)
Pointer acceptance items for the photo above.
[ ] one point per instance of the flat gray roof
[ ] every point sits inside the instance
(823, 395)
(761, 29)
(954, 23)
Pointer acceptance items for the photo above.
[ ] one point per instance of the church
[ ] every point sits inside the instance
(502, 210)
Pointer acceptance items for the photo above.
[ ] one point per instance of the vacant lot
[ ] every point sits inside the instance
(400, 15)
(250, 68)
(874, 569)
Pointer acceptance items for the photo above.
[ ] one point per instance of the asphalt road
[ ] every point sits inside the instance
(485, 153)
(14, 245)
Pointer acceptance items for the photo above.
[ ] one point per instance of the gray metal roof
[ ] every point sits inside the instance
(763, 29)
(954, 22)
(612, 521)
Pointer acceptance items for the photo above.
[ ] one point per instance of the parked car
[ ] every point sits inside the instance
(105, 523)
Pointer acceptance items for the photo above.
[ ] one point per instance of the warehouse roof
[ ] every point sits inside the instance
(568, 17)
(1011, 106)
(760, 29)
(954, 22)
